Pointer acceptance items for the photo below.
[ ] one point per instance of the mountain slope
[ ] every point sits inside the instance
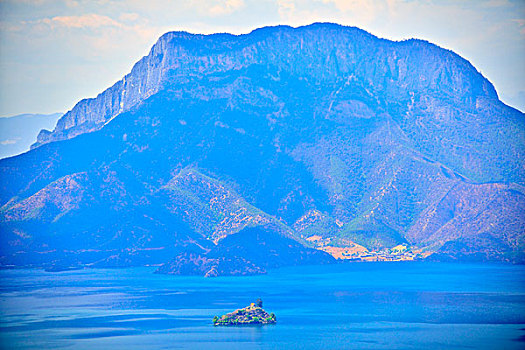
(216, 136)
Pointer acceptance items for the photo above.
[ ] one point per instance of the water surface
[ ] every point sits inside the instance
(409, 305)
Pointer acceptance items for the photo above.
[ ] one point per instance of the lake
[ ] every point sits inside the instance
(406, 305)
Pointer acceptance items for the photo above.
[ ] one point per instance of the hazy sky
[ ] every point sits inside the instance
(55, 52)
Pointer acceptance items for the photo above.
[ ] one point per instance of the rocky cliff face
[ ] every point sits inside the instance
(218, 149)
(322, 53)
(91, 114)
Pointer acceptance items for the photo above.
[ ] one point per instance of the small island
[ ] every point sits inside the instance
(250, 315)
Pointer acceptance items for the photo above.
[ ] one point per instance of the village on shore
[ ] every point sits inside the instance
(351, 251)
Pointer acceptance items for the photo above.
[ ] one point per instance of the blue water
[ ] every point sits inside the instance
(410, 305)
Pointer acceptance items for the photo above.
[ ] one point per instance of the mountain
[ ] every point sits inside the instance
(18, 132)
(223, 154)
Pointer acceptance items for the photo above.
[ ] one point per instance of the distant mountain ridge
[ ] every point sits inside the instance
(19, 132)
(220, 149)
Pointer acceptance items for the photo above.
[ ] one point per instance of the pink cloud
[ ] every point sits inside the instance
(84, 21)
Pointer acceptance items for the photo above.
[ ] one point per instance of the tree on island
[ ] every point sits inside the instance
(258, 302)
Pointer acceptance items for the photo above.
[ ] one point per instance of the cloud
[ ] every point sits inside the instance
(286, 8)
(210, 8)
(8, 142)
(365, 9)
(521, 24)
(224, 7)
(496, 3)
(71, 3)
(303, 12)
(84, 21)
(29, 2)
(351, 12)
(129, 17)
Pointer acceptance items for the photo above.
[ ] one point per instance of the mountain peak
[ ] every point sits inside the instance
(318, 52)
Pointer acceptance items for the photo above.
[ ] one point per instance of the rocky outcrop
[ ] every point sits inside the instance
(251, 315)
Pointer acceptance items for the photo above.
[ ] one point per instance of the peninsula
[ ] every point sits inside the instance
(252, 314)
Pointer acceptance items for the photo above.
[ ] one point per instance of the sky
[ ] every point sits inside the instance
(53, 53)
